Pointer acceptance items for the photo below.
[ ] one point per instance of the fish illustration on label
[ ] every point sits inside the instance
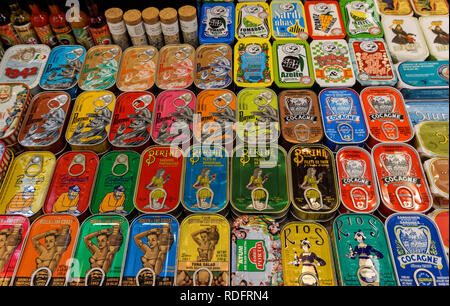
(288, 20)
(175, 67)
(214, 66)
(252, 20)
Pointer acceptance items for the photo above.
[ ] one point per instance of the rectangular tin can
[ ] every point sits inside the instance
(252, 20)
(436, 170)
(396, 8)
(432, 139)
(420, 111)
(175, 67)
(217, 23)
(361, 251)
(361, 18)
(427, 8)
(324, 20)
(256, 251)
(152, 251)
(441, 218)
(48, 249)
(137, 70)
(213, 66)
(417, 250)
(204, 251)
(288, 20)
(435, 30)
(100, 251)
(6, 157)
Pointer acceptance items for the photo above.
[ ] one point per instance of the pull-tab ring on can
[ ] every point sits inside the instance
(345, 134)
(121, 159)
(109, 54)
(309, 277)
(145, 100)
(263, 99)
(60, 100)
(155, 197)
(431, 275)
(36, 273)
(105, 99)
(409, 194)
(357, 203)
(257, 204)
(368, 276)
(302, 132)
(390, 130)
(195, 276)
(143, 270)
(86, 280)
(183, 53)
(202, 194)
(146, 55)
(186, 98)
(312, 201)
(225, 98)
(35, 160)
(77, 53)
(78, 159)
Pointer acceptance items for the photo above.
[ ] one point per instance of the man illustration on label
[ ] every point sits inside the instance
(10, 239)
(157, 193)
(67, 202)
(309, 275)
(442, 37)
(206, 242)
(401, 36)
(113, 201)
(392, 5)
(259, 194)
(21, 202)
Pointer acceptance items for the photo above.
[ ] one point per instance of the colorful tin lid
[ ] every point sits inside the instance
(417, 250)
(425, 8)
(259, 182)
(253, 63)
(292, 64)
(432, 139)
(390, 7)
(132, 119)
(362, 253)
(420, 111)
(361, 18)
(48, 249)
(100, 251)
(213, 66)
(404, 38)
(324, 20)
(256, 252)
(357, 184)
(437, 172)
(204, 251)
(137, 68)
(401, 180)
(13, 230)
(72, 183)
(173, 117)
(372, 62)
(288, 20)
(6, 157)
(175, 67)
(25, 187)
(307, 255)
(436, 30)
(100, 67)
(152, 251)
(217, 23)
(300, 118)
(63, 68)
(252, 20)
(441, 218)
(332, 63)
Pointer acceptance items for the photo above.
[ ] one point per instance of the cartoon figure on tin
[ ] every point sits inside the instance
(220, 71)
(103, 73)
(309, 261)
(113, 201)
(224, 115)
(204, 192)
(65, 76)
(67, 202)
(21, 202)
(157, 194)
(392, 5)
(259, 194)
(401, 36)
(311, 186)
(442, 37)
(18, 94)
(207, 240)
(10, 239)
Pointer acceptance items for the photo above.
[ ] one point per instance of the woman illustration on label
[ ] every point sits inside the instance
(367, 272)
(309, 260)
(259, 194)
(401, 37)
(311, 186)
(204, 192)
(157, 195)
(442, 37)
(206, 242)
(10, 239)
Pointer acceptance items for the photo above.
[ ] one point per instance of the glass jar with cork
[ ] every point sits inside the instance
(189, 25)
(135, 27)
(152, 27)
(117, 27)
(169, 25)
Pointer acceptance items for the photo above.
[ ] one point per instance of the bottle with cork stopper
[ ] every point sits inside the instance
(189, 25)
(169, 25)
(152, 27)
(117, 27)
(135, 27)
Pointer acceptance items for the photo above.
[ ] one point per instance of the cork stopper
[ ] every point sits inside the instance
(168, 15)
(132, 17)
(187, 13)
(114, 15)
(150, 15)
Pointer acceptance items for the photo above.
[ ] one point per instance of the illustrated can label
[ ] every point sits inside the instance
(214, 66)
(137, 68)
(361, 18)
(324, 20)
(288, 20)
(176, 67)
(252, 20)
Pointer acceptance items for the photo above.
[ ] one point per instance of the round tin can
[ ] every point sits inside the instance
(426, 8)
(132, 119)
(204, 251)
(419, 111)
(390, 7)
(252, 20)
(72, 183)
(372, 62)
(48, 249)
(26, 183)
(357, 184)
(24, 64)
(257, 116)
(361, 251)
(385, 115)
(259, 182)
(441, 218)
(100, 251)
(115, 183)
(205, 179)
(435, 30)
(432, 139)
(313, 182)
(6, 157)
(288, 20)
(13, 232)
(152, 251)
(332, 63)
(324, 20)
(175, 67)
(173, 117)
(217, 23)
(137, 68)
(90, 121)
(216, 116)
(253, 66)
(100, 68)
(300, 118)
(307, 255)
(63, 69)
(158, 186)
(44, 125)
(343, 120)
(436, 170)
(417, 250)
(401, 181)
(213, 66)
(361, 18)
(256, 252)
(292, 64)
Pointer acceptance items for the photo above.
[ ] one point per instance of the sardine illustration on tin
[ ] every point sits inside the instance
(214, 66)
(13, 103)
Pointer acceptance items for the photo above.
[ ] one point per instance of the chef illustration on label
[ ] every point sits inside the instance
(65, 75)
(206, 240)
(204, 191)
(113, 201)
(253, 22)
(299, 109)
(310, 185)
(355, 171)
(157, 195)
(309, 260)
(67, 202)
(217, 21)
(224, 116)
(105, 72)
(50, 252)
(260, 195)
(10, 119)
(10, 239)
(219, 76)
(367, 273)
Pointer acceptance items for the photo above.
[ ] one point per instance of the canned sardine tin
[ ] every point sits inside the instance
(436, 29)
(217, 23)
(213, 66)
(437, 173)
(361, 18)
(13, 231)
(390, 7)
(307, 255)
(252, 20)
(72, 183)
(324, 20)
(426, 8)
(420, 111)
(288, 20)
(256, 252)
(100, 251)
(26, 184)
(152, 251)
(441, 218)
(49, 247)
(175, 67)
(6, 157)
(362, 253)
(432, 139)
(417, 250)
(204, 251)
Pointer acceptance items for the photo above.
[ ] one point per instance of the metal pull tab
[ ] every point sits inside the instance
(360, 198)
(109, 54)
(144, 275)
(35, 160)
(424, 274)
(308, 279)
(105, 100)
(390, 130)
(405, 196)
(146, 55)
(256, 198)
(73, 55)
(121, 159)
(345, 131)
(79, 159)
(59, 100)
(368, 276)
(43, 273)
(90, 282)
(155, 197)
(313, 197)
(302, 132)
(202, 277)
(202, 195)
